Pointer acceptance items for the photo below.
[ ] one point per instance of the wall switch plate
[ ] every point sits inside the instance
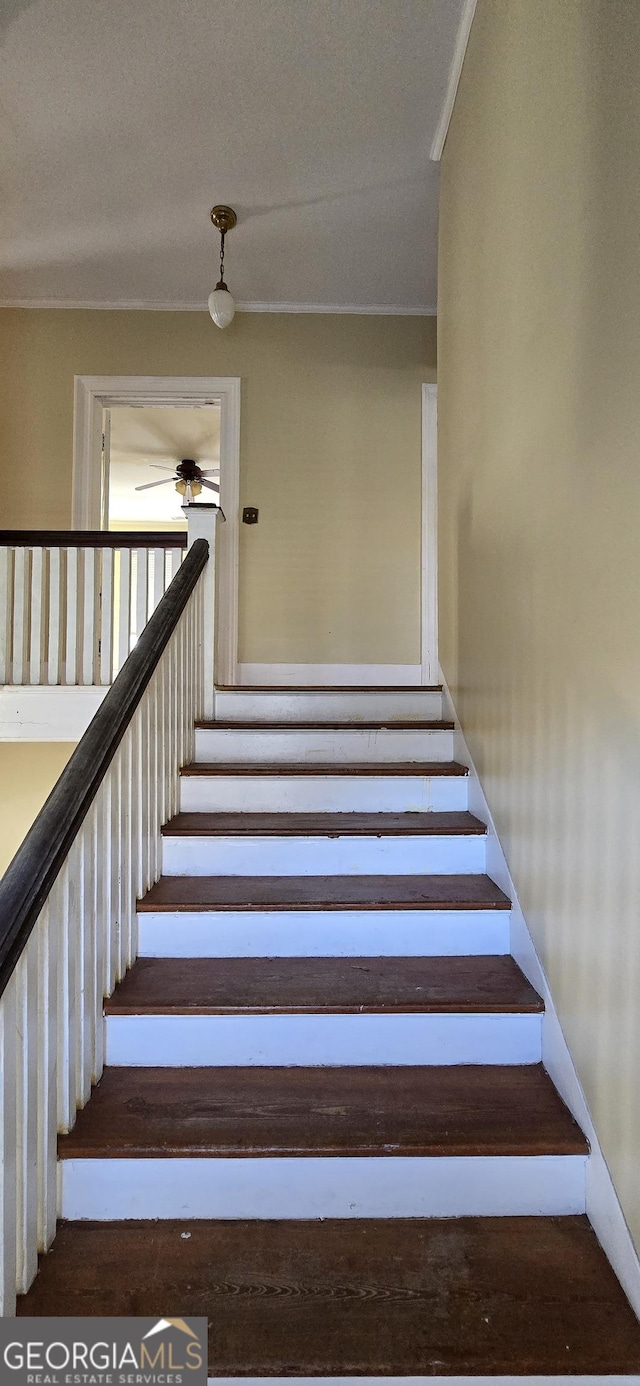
(250, 515)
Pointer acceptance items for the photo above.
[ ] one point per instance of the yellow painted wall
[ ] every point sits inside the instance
(330, 453)
(28, 772)
(539, 494)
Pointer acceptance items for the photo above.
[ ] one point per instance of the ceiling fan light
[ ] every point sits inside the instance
(222, 306)
(181, 487)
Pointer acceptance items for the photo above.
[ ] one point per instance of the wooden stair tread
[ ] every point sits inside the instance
(321, 689)
(274, 986)
(275, 824)
(383, 769)
(414, 725)
(448, 892)
(353, 1111)
(474, 1296)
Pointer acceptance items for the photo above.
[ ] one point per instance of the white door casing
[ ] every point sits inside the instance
(92, 395)
(430, 672)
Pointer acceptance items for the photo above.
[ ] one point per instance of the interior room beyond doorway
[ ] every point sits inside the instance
(142, 447)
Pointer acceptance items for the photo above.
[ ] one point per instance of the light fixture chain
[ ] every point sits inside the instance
(222, 257)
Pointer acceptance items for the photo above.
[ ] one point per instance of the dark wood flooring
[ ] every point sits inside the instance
(461, 824)
(465, 892)
(404, 1297)
(271, 986)
(355, 1111)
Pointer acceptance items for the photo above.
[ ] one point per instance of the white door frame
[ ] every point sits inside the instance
(92, 394)
(429, 564)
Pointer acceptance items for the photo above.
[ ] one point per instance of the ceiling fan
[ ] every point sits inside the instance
(188, 477)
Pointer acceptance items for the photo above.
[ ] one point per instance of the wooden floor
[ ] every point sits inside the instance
(465, 892)
(354, 1111)
(272, 986)
(452, 824)
(465, 1296)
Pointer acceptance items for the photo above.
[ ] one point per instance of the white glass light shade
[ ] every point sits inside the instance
(222, 307)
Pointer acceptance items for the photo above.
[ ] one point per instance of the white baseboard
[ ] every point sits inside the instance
(35, 713)
(603, 1206)
(330, 675)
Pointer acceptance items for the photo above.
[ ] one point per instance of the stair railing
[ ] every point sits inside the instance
(68, 902)
(72, 605)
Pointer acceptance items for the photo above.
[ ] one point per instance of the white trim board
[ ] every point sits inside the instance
(602, 1204)
(38, 713)
(429, 538)
(93, 394)
(393, 310)
(455, 73)
(329, 675)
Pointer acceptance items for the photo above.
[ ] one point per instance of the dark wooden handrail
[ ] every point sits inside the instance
(38, 861)
(92, 539)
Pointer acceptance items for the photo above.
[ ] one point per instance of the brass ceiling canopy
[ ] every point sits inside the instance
(224, 219)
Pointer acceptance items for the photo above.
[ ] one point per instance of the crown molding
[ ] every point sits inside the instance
(422, 310)
(396, 310)
(455, 72)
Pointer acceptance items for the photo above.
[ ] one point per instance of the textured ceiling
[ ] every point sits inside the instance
(123, 121)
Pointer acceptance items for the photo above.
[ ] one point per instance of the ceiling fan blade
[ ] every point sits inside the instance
(213, 471)
(210, 487)
(148, 484)
(159, 467)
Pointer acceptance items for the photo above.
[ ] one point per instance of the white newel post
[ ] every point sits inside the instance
(201, 524)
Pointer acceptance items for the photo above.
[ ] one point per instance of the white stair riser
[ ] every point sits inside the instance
(323, 793)
(322, 856)
(223, 1041)
(325, 706)
(323, 934)
(302, 745)
(317, 1187)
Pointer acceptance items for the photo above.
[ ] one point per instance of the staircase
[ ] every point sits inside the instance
(324, 1122)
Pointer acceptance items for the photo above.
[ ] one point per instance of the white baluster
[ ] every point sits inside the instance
(57, 617)
(5, 613)
(27, 1116)
(124, 608)
(106, 617)
(201, 522)
(47, 1068)
(126, 890)
(67, 995)
(8, 1150)
(142, 592)
(158, 577)
(20, 610)
(36, 662)
(71, 625)
(89, 622)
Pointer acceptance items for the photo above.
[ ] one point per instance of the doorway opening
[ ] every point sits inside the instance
(143, 448)
(96, 400)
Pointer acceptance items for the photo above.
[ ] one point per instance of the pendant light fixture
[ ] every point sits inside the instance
(221, 303)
